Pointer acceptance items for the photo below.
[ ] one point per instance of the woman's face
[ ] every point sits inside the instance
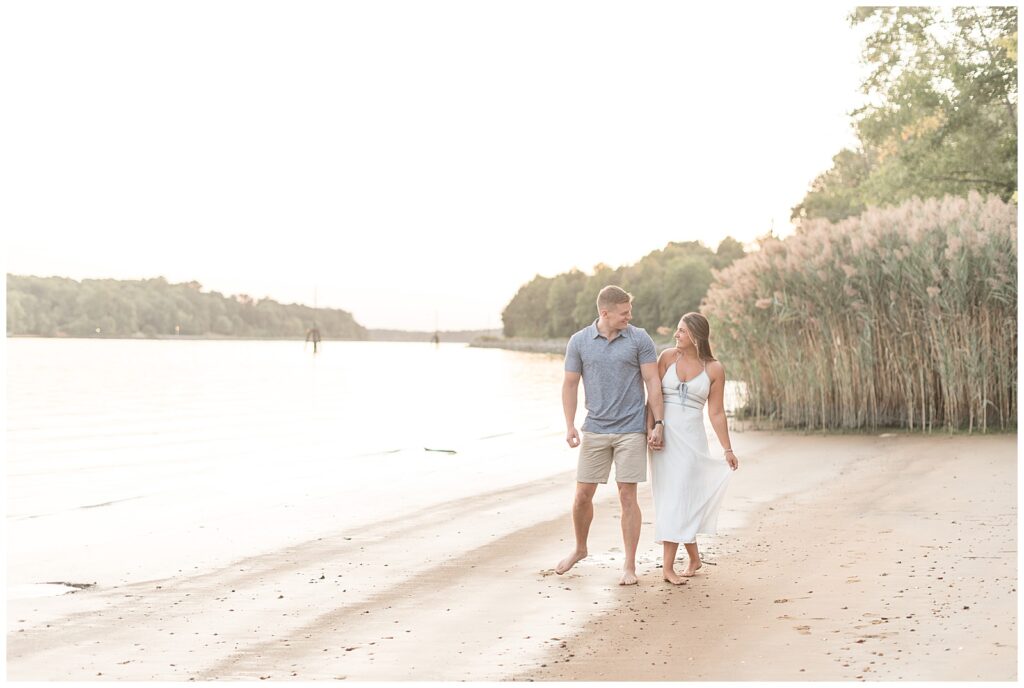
(683, 341)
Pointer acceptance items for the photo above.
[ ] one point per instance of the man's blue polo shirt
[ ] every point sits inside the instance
(612, 383)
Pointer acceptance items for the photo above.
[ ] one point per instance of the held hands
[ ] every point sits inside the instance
(572, 438)
(656, 438)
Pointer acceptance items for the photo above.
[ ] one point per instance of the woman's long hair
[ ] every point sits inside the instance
(699, 329)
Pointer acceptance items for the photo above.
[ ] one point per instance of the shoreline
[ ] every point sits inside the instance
(833, 553)
(187, 337)
(535, 346)
(412, 337)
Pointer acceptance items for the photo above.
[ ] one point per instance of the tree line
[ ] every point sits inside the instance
(665, 284)
(63, 307)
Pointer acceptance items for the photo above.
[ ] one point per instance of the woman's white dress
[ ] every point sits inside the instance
(688, 484)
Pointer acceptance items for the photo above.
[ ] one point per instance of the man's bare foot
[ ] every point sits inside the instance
(691, 569)
(570, 561)
(672, 577)
(628, 577)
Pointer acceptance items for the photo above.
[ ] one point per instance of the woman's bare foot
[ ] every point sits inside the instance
(672, 577)
(570, 561)
(691, 569)
(628, 577)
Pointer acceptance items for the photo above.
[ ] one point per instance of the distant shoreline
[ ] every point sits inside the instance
(454, 336)
(535, 346)
(172, 337)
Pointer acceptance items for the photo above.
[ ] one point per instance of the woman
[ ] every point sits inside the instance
(688, 483)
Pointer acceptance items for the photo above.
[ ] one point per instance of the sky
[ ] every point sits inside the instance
(413, 163)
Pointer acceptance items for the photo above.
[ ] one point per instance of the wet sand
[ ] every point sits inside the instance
(839, 558)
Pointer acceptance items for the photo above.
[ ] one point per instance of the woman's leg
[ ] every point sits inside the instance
(669, 561)
(691, 551)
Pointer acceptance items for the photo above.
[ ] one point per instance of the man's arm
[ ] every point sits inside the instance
(649, 415)
(570, 396)
(655, 402)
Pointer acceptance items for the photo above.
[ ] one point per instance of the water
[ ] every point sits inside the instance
(76, 403)
(119, 445)
(122, 453)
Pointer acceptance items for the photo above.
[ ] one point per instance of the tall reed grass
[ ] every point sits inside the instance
(904, 316)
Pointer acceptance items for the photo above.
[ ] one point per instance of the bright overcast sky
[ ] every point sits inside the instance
(406, 158)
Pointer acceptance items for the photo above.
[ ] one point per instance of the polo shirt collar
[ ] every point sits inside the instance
(595, 333)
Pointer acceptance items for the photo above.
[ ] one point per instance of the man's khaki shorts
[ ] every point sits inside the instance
(627, 450)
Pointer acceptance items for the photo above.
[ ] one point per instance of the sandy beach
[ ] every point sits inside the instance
(886, 557)
(896, 561)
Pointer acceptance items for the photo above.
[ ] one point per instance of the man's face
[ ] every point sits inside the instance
(620, 315)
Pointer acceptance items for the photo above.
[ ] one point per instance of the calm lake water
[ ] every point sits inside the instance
(120, 451)
(77, 404)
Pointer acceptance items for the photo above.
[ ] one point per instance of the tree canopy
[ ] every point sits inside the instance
(941, 111)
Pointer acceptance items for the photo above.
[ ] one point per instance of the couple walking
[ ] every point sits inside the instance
(616, 361)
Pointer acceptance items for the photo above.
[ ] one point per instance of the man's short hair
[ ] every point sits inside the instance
(612, 296)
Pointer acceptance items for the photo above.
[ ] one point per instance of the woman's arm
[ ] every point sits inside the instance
(716, 411)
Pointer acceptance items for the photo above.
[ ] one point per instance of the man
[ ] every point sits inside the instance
(616, 361)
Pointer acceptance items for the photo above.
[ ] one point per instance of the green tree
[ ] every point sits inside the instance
(586, 300)
(728, 251)
(941, 112)
(837, 193)
(686, 282)
(526, 315)
(561, 303)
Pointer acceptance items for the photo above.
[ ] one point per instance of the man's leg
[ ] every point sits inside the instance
(631, 521)
(582, 516)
